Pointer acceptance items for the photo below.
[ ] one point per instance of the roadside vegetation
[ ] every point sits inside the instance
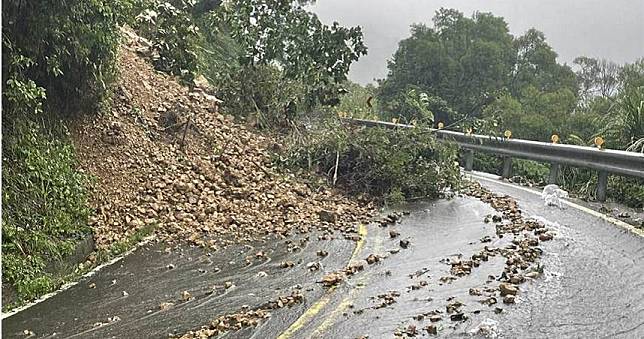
(475, 75)
(285, 73)
(57, 60)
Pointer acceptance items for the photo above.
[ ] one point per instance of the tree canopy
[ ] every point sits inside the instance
(471, 62)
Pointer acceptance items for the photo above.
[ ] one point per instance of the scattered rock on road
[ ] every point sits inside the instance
(404, 243)
(508, 289)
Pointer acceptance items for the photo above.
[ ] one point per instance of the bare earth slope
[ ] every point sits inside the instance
(211, 182)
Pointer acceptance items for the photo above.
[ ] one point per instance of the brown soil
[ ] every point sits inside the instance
(217, 187)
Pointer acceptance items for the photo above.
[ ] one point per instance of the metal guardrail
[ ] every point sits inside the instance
(605, 161)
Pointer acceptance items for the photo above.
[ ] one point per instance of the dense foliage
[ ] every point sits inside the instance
(280, 44)
(58, 59)
(465, 64)
(66, 47)
(472, 73)
(44, 208)
(173, 34)
(394, 164)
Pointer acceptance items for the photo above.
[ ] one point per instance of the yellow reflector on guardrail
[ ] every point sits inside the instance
(599, 141)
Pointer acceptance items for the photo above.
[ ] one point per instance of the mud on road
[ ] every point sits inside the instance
(520, 268)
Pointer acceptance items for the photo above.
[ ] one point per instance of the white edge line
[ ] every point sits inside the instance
(481, 176)
(77, 281)
(617, 222)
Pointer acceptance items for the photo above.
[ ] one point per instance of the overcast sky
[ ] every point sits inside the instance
(611, 29)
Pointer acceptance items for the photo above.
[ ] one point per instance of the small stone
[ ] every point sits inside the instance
(186, 296)
(328, 216)
(125, 294)
(92, 285)
(372, 259)
(262, 274)
(454, 306)
(170, 266)
(435, 318)
(545, 236)
(404, 243)
(287, 264)
(228, 284)
(488, 301)
(322, 253)
(393, 233)
(516, 279)
(411, 330)
(313, 266)
(457, 317)
(509, 299)
(331, 279)
(431, 329)
(165, 306)
(508, 289)
(532, 275)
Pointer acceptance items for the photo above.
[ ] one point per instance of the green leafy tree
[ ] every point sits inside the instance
(597, 77)
(66, 47)
(282, 34)
(536, 66)
(461, 60)
(174, 36)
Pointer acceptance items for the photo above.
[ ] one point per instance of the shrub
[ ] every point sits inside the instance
(68, 47)
(44, 203)
(629, 191)
(530, 171)
(58, 59)
(174, 36)
(398, 163)
(263, 95)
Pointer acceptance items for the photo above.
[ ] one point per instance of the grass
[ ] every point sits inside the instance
(49, 282)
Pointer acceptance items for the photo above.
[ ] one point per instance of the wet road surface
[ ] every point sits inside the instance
(592, 284)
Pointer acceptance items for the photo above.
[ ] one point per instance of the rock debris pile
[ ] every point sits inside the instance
(165, 158)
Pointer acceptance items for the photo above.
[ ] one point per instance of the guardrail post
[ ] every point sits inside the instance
(602, 185)
(554, 173)
(469, 160)
(507, 167)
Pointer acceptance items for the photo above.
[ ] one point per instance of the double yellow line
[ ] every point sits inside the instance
(312, 311)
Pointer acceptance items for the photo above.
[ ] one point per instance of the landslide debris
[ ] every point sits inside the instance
(164, 157)
(521, 257)
(245, 317)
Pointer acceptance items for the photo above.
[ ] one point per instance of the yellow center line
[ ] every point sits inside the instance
(324, 300)
(345, 303)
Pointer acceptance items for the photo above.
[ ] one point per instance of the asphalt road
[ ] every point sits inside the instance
(592, 284)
